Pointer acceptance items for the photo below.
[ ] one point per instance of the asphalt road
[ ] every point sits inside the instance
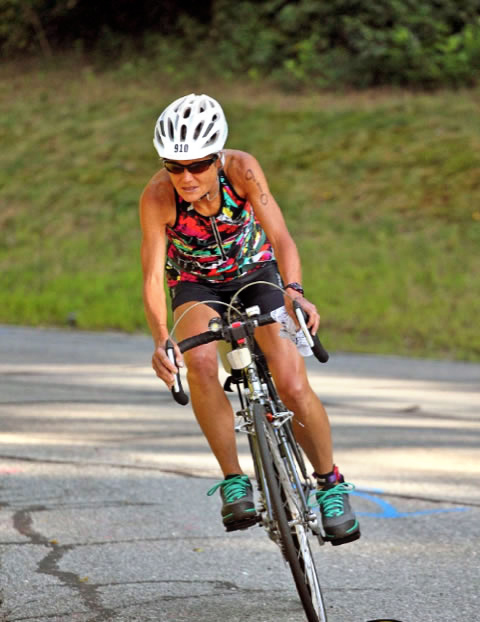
(104, 516)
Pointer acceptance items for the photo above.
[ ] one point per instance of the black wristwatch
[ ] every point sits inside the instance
(295, 286)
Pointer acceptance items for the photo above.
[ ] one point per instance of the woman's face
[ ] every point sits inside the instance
(193, 184)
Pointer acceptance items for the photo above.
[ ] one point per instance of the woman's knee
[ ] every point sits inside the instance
(202, 365)
(293, 391)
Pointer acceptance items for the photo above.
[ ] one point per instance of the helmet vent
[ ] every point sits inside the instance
(187, 113)
(197, 131)
(209, 127)
(183, 132)
(170, 129)
(212, 140)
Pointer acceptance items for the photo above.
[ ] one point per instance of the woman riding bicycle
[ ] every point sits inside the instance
(211, 225)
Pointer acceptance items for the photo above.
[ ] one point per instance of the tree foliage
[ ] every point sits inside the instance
(356, 42)
(24, 23)
(296, 42)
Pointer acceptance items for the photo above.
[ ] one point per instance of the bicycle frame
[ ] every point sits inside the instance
(255, 386)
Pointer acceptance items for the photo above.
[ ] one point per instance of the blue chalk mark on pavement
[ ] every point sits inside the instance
(389, 511)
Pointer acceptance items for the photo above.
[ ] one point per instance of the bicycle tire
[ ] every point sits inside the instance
(294, 538)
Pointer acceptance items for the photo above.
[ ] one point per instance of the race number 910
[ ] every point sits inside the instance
(180, 148)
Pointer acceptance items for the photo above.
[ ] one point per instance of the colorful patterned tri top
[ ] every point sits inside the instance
(216, 248)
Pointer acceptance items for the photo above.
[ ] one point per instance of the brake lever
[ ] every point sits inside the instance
(178, 393)
(301, 316)
(313, 341)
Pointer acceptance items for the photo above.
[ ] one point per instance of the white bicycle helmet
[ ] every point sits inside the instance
(190, 128)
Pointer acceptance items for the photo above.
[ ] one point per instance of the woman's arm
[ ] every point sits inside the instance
(248, 176)
(157, 209)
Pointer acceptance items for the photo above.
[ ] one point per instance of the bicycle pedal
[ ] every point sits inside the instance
(351, 538)
(243, 524)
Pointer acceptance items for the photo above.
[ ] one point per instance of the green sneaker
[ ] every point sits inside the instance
(238, 509)
(338, 518)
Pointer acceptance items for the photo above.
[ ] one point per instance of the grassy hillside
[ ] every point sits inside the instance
(381, 190)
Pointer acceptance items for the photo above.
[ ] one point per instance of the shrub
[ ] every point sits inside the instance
(306, 43)
(354, 43)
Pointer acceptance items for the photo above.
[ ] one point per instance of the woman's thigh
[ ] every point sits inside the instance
(284, 361)
(202, 359)
(194, 319)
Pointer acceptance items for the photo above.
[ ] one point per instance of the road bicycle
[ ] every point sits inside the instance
(282, 480)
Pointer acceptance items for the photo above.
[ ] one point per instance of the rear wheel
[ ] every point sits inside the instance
(292, 532)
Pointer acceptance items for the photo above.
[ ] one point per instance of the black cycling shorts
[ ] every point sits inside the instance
(266, 297)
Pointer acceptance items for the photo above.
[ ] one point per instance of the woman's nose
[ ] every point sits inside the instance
(186, 174)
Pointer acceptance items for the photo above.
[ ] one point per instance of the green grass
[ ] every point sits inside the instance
(381, 191)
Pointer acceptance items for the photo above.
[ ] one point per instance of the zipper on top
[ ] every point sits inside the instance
(217, 236)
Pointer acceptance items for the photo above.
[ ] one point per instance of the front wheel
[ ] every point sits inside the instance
(292, 531)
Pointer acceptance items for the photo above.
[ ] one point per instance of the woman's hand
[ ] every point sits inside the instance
(163, 366)
(310, 309)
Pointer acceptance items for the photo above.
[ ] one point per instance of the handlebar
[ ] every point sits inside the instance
(178, 393)
(313, 341)
(236, 331)
(210, 335)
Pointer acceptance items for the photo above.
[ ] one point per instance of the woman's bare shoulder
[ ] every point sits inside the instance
(235, 157)
(238, 168)
(158, 198)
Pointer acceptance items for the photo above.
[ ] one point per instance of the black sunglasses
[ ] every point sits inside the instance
(195, 167)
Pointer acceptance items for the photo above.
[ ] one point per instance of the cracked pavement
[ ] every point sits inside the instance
(104, 516)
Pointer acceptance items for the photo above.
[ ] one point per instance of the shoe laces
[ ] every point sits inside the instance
(233, 488)
(331, 500)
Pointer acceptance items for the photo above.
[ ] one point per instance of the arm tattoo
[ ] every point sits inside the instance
(250, 176)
